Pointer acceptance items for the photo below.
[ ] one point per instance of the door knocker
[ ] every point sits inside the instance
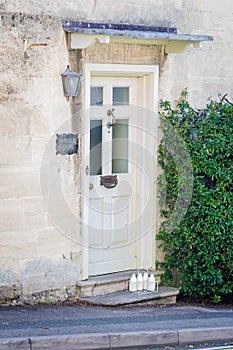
(108, 181)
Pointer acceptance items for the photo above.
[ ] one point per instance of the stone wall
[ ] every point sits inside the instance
(212, 74)
(36, 254)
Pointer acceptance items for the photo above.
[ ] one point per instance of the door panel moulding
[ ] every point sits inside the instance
(84, 35)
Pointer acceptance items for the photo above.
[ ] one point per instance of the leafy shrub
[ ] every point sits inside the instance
(200, 247)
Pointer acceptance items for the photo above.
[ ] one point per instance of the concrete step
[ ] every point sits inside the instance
(164, 296)
(109, 283)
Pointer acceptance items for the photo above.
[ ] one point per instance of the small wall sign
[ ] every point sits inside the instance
(67, 144)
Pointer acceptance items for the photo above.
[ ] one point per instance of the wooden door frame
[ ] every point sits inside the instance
(148, 81)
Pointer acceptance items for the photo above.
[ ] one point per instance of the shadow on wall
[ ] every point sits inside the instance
(41, 280)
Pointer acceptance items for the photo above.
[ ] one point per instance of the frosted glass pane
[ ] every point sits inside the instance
(96, 96)
(120, 96)
(120, 146)
(96, 147)
(73, 85)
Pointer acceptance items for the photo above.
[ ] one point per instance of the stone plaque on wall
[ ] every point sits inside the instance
(67, 144)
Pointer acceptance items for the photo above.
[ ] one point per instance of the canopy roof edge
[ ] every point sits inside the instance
(85, 34)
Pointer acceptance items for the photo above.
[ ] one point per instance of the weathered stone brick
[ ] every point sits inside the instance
(42, 274)
(52, 244)
(11, 215)
(15, 150)
(18, 182)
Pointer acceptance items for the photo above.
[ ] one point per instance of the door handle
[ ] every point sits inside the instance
(110, 113)
(87, 170)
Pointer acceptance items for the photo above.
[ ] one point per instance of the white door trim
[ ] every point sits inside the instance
(148, 81)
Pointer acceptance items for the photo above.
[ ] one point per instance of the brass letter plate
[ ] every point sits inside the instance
(108, 181)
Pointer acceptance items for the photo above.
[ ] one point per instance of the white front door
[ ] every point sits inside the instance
(120, 175)
(112, 210)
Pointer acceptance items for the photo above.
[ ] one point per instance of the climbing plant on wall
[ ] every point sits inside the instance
(200, 247)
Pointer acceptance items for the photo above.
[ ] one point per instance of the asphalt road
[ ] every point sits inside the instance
(48, 320)
(57, 321)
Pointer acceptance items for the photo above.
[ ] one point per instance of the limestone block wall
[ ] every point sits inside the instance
(36, 255)
(207, 71)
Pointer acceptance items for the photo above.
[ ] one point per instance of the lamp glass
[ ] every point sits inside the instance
(71, 82)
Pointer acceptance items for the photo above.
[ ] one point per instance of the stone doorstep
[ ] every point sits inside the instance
(109, 283)
(164, 296)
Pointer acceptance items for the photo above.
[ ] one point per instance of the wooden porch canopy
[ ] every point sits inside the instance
(85, 34)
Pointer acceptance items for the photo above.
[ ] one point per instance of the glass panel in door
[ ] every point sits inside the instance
(120, 146)
(120, 96)
(95, 147)
(96, 99)
(96, 96)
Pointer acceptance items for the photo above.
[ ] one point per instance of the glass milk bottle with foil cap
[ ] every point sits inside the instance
(151, 283)
(133, 283)
(145, 281)
(139, 282)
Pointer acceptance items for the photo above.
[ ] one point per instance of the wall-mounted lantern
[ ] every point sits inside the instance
(71, 82)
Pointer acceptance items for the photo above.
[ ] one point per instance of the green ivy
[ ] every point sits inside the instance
(198, 240)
